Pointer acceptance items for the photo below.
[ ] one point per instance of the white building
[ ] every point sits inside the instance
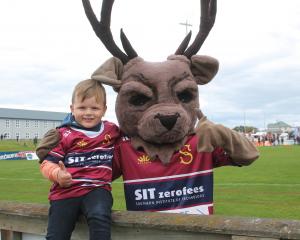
(279, 127)
(27, 124)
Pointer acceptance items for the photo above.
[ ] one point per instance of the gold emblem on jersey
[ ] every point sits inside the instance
(186, 156)
(107, 139)
(144, 159)
(81, 143)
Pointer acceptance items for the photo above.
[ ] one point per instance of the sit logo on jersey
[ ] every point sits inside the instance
(186, 156)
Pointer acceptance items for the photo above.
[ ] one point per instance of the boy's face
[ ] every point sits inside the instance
(89, 112)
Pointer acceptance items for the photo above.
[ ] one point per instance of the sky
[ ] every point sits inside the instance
(48, 46)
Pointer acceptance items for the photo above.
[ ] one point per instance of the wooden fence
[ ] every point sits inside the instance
(29, 221)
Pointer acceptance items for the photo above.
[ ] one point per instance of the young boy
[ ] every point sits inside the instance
(80, 166)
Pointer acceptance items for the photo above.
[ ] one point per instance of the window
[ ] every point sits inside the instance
(27, 136)
(36, 135)
(27, 124)
(17, 123)
(17, 136)
(7, 123)
(36, 123)
(45, 124)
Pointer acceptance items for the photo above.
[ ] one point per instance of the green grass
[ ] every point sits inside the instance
(269, 188)
(13, 145)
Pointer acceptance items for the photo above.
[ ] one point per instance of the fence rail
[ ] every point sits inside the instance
(20, 221)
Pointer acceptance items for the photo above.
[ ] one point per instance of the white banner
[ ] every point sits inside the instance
(31, 156)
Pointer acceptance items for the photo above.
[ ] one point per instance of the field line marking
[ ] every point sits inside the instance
(24, 179)
(258, 184)
(217, 184)
(246, 184)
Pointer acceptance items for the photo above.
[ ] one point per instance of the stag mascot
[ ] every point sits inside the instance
(166, 162)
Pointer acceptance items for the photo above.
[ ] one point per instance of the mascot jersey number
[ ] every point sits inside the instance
(166, 163)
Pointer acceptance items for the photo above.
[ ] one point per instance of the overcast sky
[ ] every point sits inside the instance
(47, 46)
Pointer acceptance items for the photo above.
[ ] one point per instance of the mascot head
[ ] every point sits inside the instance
(157, 102)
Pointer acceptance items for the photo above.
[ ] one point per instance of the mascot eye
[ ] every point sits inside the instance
(139, 100)
(185, 96)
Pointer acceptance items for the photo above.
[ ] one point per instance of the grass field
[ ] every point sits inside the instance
(13, 145)
(269, 188)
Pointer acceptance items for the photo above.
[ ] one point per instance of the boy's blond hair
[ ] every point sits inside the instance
(89, 88)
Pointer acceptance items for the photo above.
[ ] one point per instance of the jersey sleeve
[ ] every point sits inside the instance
(113, 130)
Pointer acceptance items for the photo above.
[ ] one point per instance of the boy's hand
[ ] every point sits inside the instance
(64, 178)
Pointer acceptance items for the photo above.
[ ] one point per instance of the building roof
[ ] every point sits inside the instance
(31, 114)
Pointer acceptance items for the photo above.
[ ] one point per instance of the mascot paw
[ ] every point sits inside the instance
(208, 133)
(49, 141)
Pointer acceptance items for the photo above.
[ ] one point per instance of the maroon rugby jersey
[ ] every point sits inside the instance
(185, 185)
(88, 156)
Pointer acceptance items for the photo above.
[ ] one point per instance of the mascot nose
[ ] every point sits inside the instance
(168, 121)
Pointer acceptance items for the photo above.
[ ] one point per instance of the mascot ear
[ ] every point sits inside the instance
(204, 68)
(110, 73)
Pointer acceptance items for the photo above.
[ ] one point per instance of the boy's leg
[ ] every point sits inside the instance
(62, 218)
(96, 206)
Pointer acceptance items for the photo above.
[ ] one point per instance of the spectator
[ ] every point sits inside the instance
(277, 138)
(35, 140)
(281, 140)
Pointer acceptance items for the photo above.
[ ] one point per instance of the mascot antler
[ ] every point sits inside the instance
(102, 30)
(207, 20)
